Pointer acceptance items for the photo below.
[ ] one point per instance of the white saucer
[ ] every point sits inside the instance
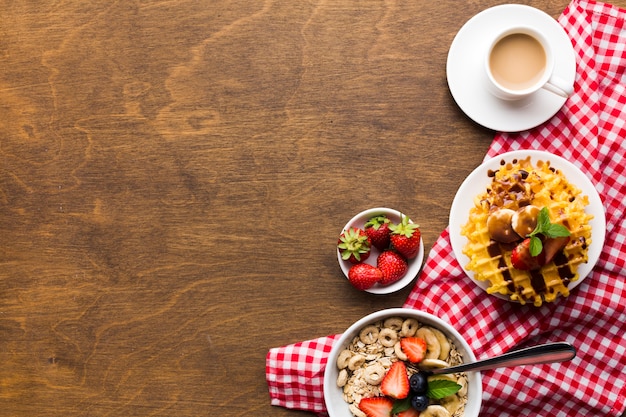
(477, 183)
(466, 77)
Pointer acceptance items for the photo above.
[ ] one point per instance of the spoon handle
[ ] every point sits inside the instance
(535, 355)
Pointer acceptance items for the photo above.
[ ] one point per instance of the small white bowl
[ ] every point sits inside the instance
(415, 264)
(333, 395)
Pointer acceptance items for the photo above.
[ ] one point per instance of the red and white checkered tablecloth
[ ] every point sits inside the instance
(590, 131)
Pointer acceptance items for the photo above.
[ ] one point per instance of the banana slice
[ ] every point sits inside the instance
(451, 403)
(499, 226)
(427, 364)
(433, 349)
(435, 411)
(397, 348)
(524, 220)
(356, 410)
(444, 344)
(442, 376)
(462, 381)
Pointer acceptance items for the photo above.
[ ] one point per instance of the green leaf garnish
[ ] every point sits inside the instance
(440, 388)
(401, 405)
(547, 229)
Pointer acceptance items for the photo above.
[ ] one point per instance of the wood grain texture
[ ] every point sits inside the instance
(174, 175)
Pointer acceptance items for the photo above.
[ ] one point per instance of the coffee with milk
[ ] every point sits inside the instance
(517, 61)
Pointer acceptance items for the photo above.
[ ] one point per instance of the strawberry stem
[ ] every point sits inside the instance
(404, 227)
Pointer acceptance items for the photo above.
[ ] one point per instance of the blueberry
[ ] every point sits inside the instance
(419, 402)
(418, 383)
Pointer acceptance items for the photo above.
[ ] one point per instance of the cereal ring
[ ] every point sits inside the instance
(342, 378)
(393, 323)
(354, 409)
(356, 361)
(409, 327)
(343, 358)
(399, 353)
(387, 337)
(369, 334)
(374, 374)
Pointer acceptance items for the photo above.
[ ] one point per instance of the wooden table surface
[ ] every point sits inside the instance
(174, 176)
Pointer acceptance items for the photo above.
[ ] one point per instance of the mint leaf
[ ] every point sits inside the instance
(440, 388)
(535, 246)
(543, 221)
(556, 230)
(401, 405)
(546, 228)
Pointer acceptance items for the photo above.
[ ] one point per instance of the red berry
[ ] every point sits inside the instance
(395, 384)
(392, 265)
(414, 348)
(522, 259)
(405, 238)
(410, 412)
(377, 228)
(364, 276)
(553, 245)
(376, 406)
(354, 245)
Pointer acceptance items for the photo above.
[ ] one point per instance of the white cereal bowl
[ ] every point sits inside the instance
(333, 395)
(415, 264)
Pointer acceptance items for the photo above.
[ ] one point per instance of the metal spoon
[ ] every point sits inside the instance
(535, 355)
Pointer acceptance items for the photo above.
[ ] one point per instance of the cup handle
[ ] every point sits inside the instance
(559, 86)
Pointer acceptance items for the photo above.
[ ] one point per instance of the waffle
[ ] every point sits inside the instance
(514, 185)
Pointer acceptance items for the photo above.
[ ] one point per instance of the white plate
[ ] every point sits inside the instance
(477, 182)
(415, 264)
(467, 79)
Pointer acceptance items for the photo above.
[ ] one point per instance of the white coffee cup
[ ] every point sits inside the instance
(520, 62)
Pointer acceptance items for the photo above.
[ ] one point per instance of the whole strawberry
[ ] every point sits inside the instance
(405, 238)
(354, 245)
(392, 265)
(364, 276)
(377, 228)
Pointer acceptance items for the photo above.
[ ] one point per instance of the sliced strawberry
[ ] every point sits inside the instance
(523, 260)
(376, 406)
(414, 348)
(410, 412)
(364, 276)
(405, 238)
(395, 384)
(392, 265)
(354, 245)
(553, 245)
(377, 228)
